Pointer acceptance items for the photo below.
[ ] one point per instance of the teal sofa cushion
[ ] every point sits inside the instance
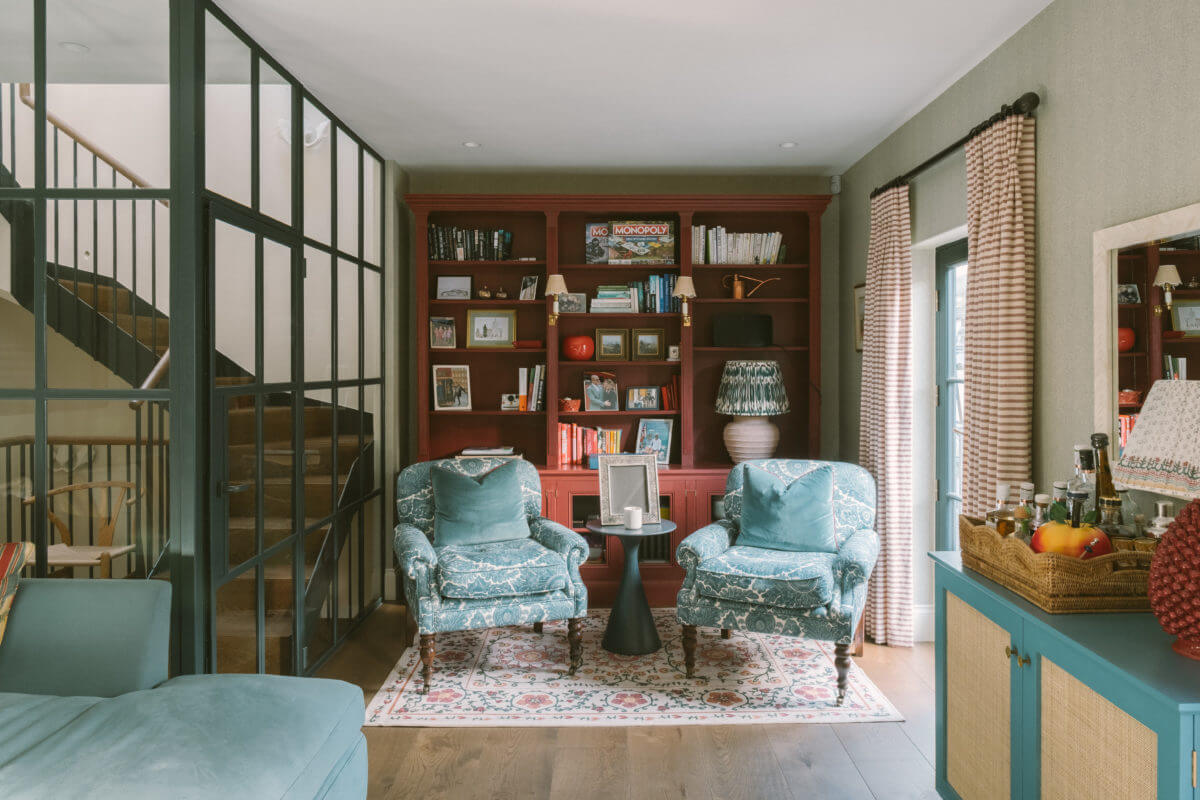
(477, 510)
(779, 578)
(500, 569)
(197, 736)
(796, 517)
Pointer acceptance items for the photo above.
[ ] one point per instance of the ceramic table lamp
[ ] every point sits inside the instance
(1163, 456)
(751, 391)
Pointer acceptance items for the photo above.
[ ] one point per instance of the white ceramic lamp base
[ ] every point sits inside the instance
(748, 438)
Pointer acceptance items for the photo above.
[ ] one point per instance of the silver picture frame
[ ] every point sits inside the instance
(628, 479)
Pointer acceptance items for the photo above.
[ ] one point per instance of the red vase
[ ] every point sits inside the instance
(1175, 581)
(1126, 339)
(578, 348)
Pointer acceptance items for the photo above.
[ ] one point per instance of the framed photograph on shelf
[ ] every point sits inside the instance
(451, 387)
(628, 480)
(643, 398)
(648, 344)
(600, 392)
(1185, 316)
(491, 328)
(529, 286)
(572, 303)
(453, 287)
(859, 304)
(1128, 294)
(612, 344)
(443, 334)
(654, 438)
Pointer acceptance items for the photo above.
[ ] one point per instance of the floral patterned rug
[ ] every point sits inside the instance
(515, 677)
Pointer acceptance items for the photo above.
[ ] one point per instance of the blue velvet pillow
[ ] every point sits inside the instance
(780, 517)
(490, 508)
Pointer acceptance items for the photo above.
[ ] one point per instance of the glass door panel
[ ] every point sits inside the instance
(951, 261)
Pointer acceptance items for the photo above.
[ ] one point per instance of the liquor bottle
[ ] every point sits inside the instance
(1023, 513)
(1058, 503)
(1085, 481)
(1110, 524)
(1001, 517)
(1132, 517)
(1041, 504)
(1076, 500)
(1104, 482)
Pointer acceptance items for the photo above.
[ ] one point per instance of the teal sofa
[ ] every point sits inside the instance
(86, 709)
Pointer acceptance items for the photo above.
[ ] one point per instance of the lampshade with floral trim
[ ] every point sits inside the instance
(1163, 451)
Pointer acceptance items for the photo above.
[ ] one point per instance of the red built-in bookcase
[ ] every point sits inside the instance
(550, 230)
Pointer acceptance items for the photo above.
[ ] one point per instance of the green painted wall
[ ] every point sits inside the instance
(423, 182)
(1118, 138)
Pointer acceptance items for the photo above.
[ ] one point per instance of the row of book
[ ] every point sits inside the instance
(1175, 368)
(1125, 424)
(450, 243)
(669, 393)
(649, 296)
(531, 388)
(719, 246)
(577, 442)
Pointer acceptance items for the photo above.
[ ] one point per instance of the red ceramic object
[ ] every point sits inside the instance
(578, 348)
(1175, 581)
(1126, 339)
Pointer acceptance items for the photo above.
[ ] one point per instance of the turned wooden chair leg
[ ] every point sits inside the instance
(841, 660)
(726, 633)
(574, 643)
(689, 650)
(537, 627)
(427, 653)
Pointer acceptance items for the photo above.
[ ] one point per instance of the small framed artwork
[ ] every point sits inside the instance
(600, 392)
(648, 344)
(529, 286)
(627, 481)
(1185, 316)
(454, 287)
(654, 438)
(612, 344)
(451, 387)
(673, 353)
(510, 402)
(643, 398)
(1128, 294)
(859, 303)
(572, 303)
(443, 335)
(491, 328)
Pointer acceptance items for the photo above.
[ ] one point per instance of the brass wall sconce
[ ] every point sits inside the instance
(1167, 277)
(685, 290)
(555, 286)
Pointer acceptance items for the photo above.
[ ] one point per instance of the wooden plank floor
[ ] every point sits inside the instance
(891, 760)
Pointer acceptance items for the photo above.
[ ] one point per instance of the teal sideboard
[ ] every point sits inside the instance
(1037, 705)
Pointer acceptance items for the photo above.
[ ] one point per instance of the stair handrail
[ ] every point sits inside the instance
(26, 95)
(153, 378)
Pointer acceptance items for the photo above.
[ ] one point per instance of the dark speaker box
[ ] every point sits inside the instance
(742, 329)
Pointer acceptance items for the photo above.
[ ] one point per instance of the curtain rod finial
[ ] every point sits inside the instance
(1027, 102)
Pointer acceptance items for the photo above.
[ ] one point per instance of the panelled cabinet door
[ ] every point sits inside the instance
(978, 702)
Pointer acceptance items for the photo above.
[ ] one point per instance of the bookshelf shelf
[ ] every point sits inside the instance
(566, 364)
(771, 349)
(600, 316)
(440, 265)
(601, 268)
(487, 303)
(492, 412)
(744, 267)
(491, 351)
(622, 413)
(718, 300)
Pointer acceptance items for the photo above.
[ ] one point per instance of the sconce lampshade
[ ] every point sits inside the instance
(684, 287)
(1167, 275)
(555, 285)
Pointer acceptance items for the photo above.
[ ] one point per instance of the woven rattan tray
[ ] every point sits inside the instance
(1056, 583)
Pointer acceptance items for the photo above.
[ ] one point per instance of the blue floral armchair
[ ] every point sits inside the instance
(787, 593)
(464, 587)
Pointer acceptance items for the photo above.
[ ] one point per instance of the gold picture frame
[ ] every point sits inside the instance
(609, 350)
(487, 328)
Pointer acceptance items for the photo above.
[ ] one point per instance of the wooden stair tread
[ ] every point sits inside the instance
(276, 624)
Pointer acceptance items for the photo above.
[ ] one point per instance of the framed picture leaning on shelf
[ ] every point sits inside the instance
(1185, 316)
(1128, 294)
(612, 344)
(451, 387)
(572, 303)
(643, 398)
(654, 438)
(454, 287)
(443, 335)
(529, 286)
(648, 344)
(600, 392)
(628, 480)
(491, 328)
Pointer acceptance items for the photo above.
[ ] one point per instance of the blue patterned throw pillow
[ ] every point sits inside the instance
(781, 517)
(488, 508)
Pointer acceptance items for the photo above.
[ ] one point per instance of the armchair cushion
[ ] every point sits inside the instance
(500, 569)
(470, 510)
(781, 516)
(767, 577)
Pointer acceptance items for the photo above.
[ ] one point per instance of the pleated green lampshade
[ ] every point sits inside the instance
(752, 389)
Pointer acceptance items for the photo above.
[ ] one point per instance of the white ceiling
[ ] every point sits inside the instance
(711, 85)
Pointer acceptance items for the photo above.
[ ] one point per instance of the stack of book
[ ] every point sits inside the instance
(614, 299)
(651, 295)
(1125, 424)
(1175, 368)
(448, 243)
(719, 246)
(669, 394)
(577, 442)
(531, 388)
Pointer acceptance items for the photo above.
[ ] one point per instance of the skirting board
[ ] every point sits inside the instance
(923, 623)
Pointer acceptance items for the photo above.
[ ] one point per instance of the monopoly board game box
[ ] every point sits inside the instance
(595, 250)
(641, 242)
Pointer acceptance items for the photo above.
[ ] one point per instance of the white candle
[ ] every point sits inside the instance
(633, 518)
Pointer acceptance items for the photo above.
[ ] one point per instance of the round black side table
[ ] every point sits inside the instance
(631, 630)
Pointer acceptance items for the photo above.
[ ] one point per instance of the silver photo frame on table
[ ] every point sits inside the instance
(628, 479)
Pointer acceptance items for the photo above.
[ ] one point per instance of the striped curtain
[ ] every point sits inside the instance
(885, 415)
(998, 387)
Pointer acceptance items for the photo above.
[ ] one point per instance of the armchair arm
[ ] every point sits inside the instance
(559, 538)
(711, 540)
(417, 559)
(856, 558)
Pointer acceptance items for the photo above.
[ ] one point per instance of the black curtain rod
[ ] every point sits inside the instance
(1025, 104)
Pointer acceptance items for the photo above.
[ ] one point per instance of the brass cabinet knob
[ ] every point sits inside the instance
(1010, 651)
(1023, 661)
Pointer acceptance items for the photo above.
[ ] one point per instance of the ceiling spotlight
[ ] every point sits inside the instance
(472, 145)
(75, 47)
(787, 145)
